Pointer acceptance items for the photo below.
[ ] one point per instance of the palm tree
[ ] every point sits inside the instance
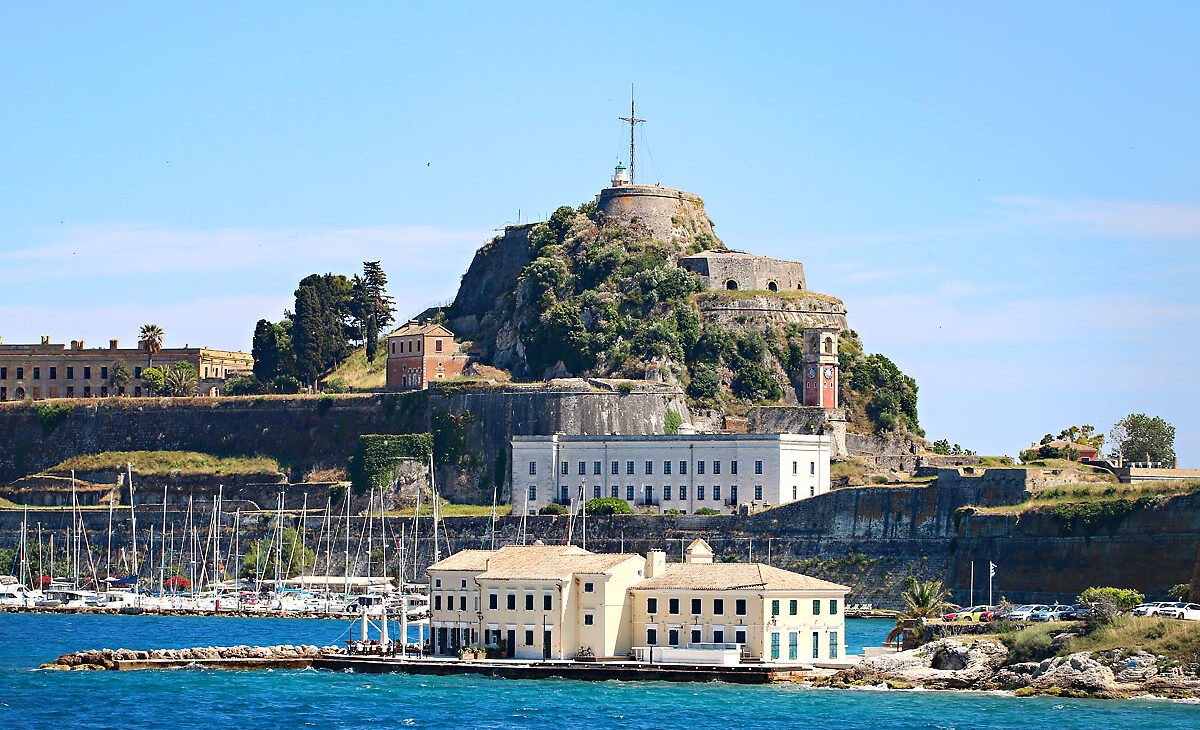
(151, 339)
(924, 600)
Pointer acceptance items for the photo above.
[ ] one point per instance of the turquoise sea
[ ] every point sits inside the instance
(187, 698)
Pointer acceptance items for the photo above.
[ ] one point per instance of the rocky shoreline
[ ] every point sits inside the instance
(111, 658)
(128, 611)
(952, 664)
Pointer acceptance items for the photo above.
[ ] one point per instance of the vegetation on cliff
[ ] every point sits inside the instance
(159, 463)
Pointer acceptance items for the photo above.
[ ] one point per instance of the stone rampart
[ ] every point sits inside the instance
(801, 419)
(734, 270)
(669, 215)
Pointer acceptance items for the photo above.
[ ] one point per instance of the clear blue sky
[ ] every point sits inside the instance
(1005, 197)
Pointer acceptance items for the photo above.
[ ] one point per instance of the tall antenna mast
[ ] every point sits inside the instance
(633, 122)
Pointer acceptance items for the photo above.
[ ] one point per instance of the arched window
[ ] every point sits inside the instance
(772, 286)
(731, 285)
(828, 345)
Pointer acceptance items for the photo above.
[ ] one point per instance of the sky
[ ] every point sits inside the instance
(1005, 197)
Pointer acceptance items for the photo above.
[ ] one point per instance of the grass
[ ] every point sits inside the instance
(170, 462)
(742, 294)
(457, 510)
(1177, 640)
(361, 374)
(1083, 494)
(1085, 473)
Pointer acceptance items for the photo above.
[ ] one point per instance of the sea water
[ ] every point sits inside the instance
(187, 698)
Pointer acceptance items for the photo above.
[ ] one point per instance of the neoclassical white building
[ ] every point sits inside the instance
(685, 473)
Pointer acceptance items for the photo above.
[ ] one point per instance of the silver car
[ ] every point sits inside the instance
(1024, 612)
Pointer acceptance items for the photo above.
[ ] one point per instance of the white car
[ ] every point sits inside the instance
(1150, 609)
(1022, 613)
(1181, 610)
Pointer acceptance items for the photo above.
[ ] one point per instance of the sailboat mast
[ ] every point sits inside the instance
(132, 520)
(437, 552)
(162, 558)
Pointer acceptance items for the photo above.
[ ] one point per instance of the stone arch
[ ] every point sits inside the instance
(19, 393)
(828, 345)
(772, 286)
(731, 285)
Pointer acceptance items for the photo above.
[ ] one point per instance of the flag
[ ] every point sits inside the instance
(992, 568)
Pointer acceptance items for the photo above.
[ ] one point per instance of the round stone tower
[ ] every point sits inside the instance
(667, 214)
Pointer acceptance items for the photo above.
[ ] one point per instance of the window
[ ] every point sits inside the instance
(565, 468)
(697, 636)
(833, 644)
(532, 492)
(596, 491)
(716, 467)
(739, 635)
(683, 467)
(700, 492)
(493, 601)
(4, 374)
(683, 492)
(437, 345)
(615, 468)
(564, 494)
(673, 637)
(719, 606)
(816, 645)
(758, 492)
(833, 608)
(812, 491)
(438, 583)
(733, 493)
(70, 391)
(595, 468)
(652, 605)
(21, 373)
(54, 373)
(37, 373)
(629, 492)
(87, 373)
(649, 490)
(739, 606)
(528, 601)
(718, 636)
(774, 644)
(666, 467)
(697, 606)
(629, 467)
(70, 372)
(816, 607)
(717, 492)
(582, 468)
(512, 602)
(437, 601)
(649, 467)
(589, 587)
(104, 373)
(758, 467)
(795, 466)
(812, 468)
(699, 467)
(137, 372)
(793, 646)
(103, 391)
(794, 491)
(462, 602)
(667, 493)
(528, 637)
(733, 467)
(547, 601)
(616, 492)
(651, 636)
(673, 606)
(589, 619)
(87, 391)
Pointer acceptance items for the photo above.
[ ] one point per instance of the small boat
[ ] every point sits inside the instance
(14, 593)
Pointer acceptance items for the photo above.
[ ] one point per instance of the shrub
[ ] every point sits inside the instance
(286, 384)
(707, 511)
(672, 422)
(705, 382)
(608, 506)
(336, 385)
(246, 385)
(1032, 644)
(1123, 598)
(625, 387)
(554, 508)
(51, 415)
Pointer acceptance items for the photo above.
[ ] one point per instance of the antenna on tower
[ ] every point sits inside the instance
(633, 122)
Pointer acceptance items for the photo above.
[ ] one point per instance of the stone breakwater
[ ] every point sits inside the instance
(980, 665)
(225, 613)
(250, 657)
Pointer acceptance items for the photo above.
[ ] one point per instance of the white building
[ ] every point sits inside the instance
(685, 473)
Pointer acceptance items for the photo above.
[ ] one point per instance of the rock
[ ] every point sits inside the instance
(1077, 671)
(1136, 668)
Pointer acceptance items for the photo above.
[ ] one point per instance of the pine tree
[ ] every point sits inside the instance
(265, 350)
(375, 284)
(307, 330)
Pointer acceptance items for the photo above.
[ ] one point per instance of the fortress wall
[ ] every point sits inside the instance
(668, 215)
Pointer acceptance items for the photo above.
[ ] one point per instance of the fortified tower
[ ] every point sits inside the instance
(667, 214)
(821, 367)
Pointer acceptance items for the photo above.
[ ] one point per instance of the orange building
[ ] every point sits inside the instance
(421, 353)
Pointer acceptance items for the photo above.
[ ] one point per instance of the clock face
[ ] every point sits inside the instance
(812, 372)
(829, 372)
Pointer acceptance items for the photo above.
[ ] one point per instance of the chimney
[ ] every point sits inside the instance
(112, 344)
(45, 339)
(76, 344)
(656, 563)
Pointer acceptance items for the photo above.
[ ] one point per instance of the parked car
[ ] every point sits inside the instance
(1049, 613)
(1150, 609)
(1023, 612)
(976, 614)
(951, 615)
(1076, 613)
(1181, 610)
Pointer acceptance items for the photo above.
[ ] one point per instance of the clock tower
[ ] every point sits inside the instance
(821, 367)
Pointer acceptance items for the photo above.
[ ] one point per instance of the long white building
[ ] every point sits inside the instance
(685, 473)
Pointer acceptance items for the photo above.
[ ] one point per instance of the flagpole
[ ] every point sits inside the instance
(972, 601)
(991, 576)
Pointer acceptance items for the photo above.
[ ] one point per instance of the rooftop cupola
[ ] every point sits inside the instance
(620, 176)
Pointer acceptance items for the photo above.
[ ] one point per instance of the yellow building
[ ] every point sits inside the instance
(551, 602)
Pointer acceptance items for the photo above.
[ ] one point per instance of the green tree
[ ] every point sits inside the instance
(924, 599)
(245, 385)
(153, 380)
(553, 508)
(119, 376)
(262, 557)
(705, 382)
(307, 331)
(1138, 437)
(608, 506)
(150, 339)
(1085, 434)
(941, 446)
(1180, 591)
(672, 422)
(1123, 598)
(180, 380)
(272, 350)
